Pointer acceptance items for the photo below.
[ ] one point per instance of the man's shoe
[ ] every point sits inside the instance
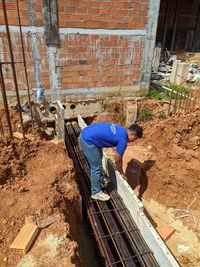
(100, 196)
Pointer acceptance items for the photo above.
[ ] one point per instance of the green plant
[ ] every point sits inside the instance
(178, 88)
(158, 95)
(145, 114)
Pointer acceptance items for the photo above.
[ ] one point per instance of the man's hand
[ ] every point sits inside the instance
(118, 163)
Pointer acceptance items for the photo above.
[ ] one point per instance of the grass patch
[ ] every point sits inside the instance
(158, 95)
(155, 94)
(178, 88)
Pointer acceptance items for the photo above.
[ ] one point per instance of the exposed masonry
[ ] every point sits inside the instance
(104, 46)
(1, 54)
(125, 59)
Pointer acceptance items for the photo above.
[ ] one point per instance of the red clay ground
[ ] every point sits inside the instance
(48, 188)
(163, 169)
(37, 179)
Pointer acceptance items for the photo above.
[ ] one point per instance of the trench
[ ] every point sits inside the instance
(116, 235)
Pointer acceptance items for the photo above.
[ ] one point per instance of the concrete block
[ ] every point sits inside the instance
(182, 73)
(174, 70)
(60, 120)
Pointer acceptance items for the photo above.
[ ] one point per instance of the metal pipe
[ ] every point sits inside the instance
(175, 23)
(166, 24)
(5, 102)
(12, 64)
(25, 68)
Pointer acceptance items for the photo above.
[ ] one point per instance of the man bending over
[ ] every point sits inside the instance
(105, 134)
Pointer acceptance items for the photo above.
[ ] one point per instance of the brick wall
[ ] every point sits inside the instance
(95, 61)
(101, 46)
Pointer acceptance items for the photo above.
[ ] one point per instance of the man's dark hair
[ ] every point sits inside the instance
(136, 129)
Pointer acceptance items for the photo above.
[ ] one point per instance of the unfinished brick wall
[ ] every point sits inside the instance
(91, 61)
(113, 14)
(100, 52)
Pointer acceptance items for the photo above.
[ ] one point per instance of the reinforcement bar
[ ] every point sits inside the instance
(162, 254)
(118, 231)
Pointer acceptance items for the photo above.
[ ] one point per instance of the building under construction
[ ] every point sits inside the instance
(59, 62)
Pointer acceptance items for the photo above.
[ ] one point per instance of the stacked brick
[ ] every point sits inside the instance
(89, 59)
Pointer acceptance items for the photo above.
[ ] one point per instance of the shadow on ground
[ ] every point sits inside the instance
(136, 174)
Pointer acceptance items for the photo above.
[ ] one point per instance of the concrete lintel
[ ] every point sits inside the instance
(161, 252)
(35, 29)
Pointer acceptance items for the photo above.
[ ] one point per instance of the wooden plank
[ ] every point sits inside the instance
(25, 238)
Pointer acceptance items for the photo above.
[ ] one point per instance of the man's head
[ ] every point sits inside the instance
(134, 132)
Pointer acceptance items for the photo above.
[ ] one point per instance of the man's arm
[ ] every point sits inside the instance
(118, 163)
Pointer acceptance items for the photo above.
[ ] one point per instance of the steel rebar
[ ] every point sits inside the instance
(12, 64)
(25, 68)
(124, 238)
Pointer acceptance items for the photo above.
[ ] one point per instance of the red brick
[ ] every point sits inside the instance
(166, 232)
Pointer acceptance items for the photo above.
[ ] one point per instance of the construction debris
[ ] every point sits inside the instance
(194, 73)
(48, 221)
(176, 71)
(25, 238)
(183, 213)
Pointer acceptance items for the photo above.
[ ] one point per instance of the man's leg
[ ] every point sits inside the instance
(94, 157)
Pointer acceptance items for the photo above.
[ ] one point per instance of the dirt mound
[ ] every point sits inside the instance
(47, 187)
(13, 158)
(181, 130)
(174, 144)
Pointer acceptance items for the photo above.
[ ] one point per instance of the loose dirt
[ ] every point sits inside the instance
(164, 171)
(46, 187)
(37, 180)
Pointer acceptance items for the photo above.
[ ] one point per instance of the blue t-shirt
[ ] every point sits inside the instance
(106, 134)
